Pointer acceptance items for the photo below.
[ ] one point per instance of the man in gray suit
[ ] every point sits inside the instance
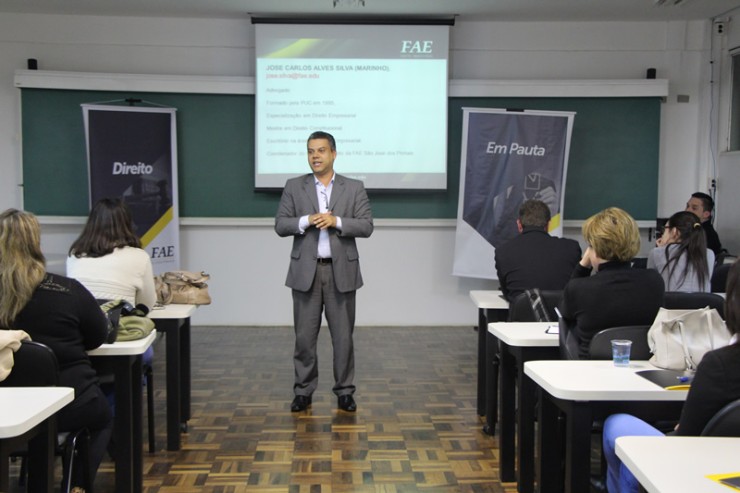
(324, 213)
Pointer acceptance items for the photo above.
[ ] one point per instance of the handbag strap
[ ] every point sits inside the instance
(686, 355)
(708, 314)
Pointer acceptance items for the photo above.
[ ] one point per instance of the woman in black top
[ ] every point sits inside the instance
(616, 295)
(61, 313)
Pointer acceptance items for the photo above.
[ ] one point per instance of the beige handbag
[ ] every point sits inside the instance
(183, 287)
(679, 339)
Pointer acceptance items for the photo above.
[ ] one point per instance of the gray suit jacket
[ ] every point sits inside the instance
(349, 202)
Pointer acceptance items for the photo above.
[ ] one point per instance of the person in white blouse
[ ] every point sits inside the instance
(107, 257)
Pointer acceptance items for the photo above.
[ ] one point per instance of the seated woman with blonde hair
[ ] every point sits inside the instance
(61, 313)
(616, 294)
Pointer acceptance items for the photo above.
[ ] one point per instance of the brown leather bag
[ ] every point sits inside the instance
(164, 294)
(183, 287)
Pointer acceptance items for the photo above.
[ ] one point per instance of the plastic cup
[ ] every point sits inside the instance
(621, 352)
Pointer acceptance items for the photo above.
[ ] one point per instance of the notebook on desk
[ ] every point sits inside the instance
(668, 379)
(731, 480)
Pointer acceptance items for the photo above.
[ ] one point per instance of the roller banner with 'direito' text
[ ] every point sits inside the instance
(132, 155)
(507, 157)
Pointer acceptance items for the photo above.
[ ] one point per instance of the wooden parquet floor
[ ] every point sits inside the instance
(416, 428)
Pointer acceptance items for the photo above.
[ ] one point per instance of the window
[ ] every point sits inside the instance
(735, 104)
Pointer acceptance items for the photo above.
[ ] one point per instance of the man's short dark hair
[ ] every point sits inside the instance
(320, 134)
(707, 201)
(534, 214)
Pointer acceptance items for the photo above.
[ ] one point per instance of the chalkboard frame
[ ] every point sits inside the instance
(613, 159)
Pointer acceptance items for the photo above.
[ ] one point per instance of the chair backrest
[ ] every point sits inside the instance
(719, 278)
(639, 263)
(567, 342)
(691, 301)
(35, 365)
(601, 347)
(726, 423)
(520, 309)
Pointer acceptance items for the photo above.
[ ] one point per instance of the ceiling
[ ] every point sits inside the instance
(491, 10)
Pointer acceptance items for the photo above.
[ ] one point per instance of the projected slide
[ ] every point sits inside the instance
(380, 90)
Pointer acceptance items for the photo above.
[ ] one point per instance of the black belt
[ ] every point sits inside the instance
(324, 260)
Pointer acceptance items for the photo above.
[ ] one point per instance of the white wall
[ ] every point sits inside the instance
(727, 218)
(406, 267)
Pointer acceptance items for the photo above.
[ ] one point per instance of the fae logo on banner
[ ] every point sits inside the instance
(507, 157)
(131, 154)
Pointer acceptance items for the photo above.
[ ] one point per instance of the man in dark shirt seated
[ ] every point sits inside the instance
(534, 259)
(702, 205)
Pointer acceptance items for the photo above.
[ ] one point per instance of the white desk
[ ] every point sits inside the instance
(25, 407)
(519, 342)
(677, 464)
(492, 307)
(124, 358)
(174, 322)
(583, 391)
(25, 416)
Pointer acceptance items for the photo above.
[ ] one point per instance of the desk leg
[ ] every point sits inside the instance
(137, 439)
(185, 373)
(549, 446)
(5, 450)
(174, 375)
(507, 416)
(525, 431)
(492, 358)
(526, 403)
(482, 330)
(578, 447)
(41, 458)
(123, 423)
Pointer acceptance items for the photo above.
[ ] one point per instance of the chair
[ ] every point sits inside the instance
(718, 282)
(692, 301)
(601, 348)
(520, 309)
(639, 263)
(726, 423)
(35, 365)
(568, 345)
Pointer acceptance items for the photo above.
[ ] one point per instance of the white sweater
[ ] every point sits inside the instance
(126, 274)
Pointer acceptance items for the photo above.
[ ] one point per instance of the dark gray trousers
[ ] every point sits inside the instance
(340, 316)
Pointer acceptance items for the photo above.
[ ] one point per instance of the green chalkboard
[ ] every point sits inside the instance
(613, 156)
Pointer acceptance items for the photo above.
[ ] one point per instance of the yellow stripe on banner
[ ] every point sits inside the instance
(555, 222)
(157, 228)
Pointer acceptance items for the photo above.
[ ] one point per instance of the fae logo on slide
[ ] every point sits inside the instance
(418, 47)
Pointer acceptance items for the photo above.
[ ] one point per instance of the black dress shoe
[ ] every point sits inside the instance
(300, 403)
(347, 403)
